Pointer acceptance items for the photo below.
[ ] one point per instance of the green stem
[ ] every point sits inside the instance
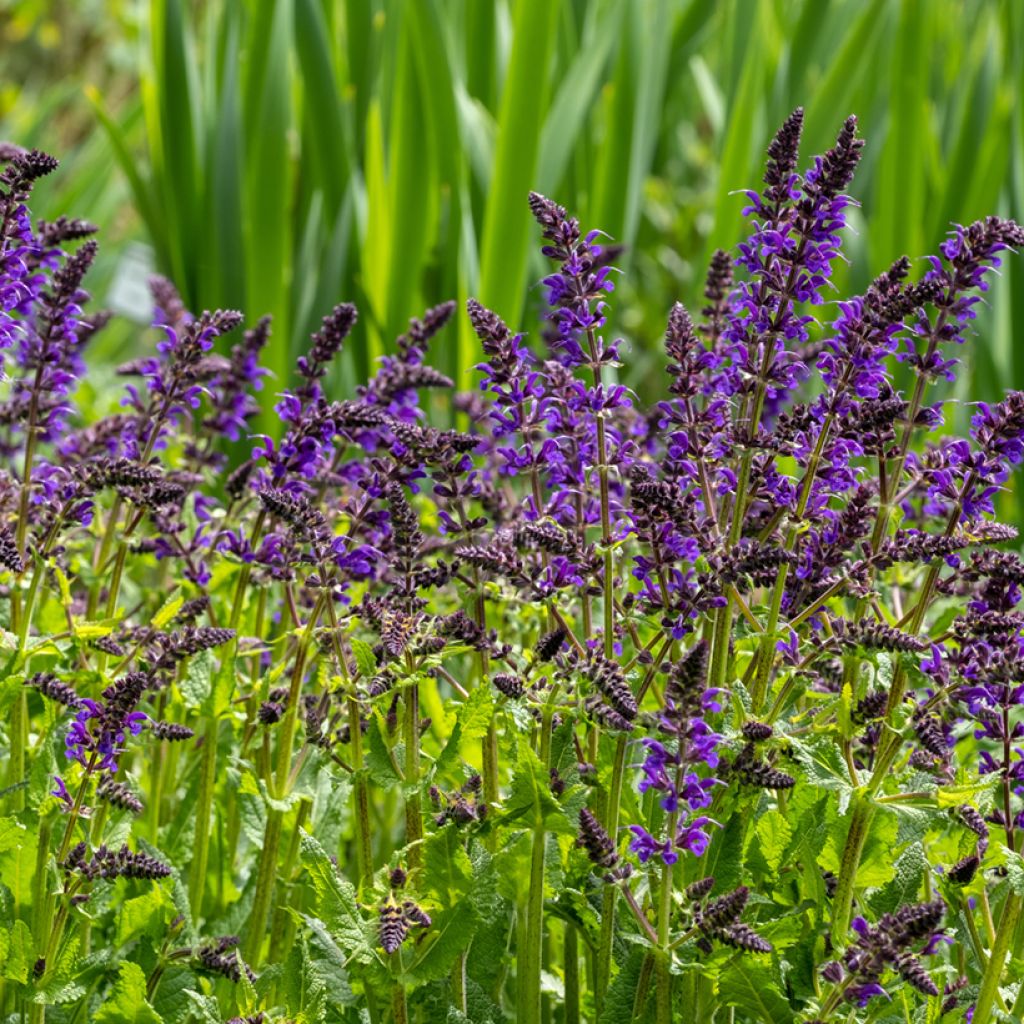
(664, 958)
(531, 964)
(204, 809)
(611, 892)
(16, 759)
(413, 809)
(861, 815)
(279, 942)
(532, 961)
(989, 990)
(399, 1010)
(364, 845)
(571, 958)
(264, 888)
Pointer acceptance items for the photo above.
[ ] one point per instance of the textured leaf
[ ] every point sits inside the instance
(754, 989)
(365, 660)
(378, 757)
(127, 1003)
(471, 722)
(449, 872)
(773, 834)
(336, 901)
(824, 767)
(531, 797)
(450, 933)
(18, 955)
(905, 887)
(144, 915)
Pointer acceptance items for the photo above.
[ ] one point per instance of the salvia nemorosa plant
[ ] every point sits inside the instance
(577, 710)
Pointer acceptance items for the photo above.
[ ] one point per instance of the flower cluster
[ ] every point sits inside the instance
(766, 626)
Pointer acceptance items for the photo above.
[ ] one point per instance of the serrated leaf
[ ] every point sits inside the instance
(448, 870)
(824, 767)
(724, 859)
(252, 808)
(905, 886)
(531, 798)
(197, 683)
(92, 630)
(377, 757)
(773, 834)
(621, 1003)
(471, 722)
(336, 902)
(167, 611)
(755, 989)
(127, 1002)
(366, 661)
(144, 915)
(449, 934)
(171, 998)
(19, 955)
(965, 793)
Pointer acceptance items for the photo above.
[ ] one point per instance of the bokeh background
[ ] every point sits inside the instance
(281, 155)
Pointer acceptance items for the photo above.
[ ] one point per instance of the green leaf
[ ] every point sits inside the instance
(196, 686)
(365, 660)
(171, 998)
(905, 887)
(755, 989)
(18, 952)
(824, 767)
(144, 915)
(448, 870)
(450, 933)
(127, 1003)
(471, 722)
(531, 796)
(621, 1003)
(724, 858)
(167, 611)
(378, 756)
(774, 834)
(336, 902)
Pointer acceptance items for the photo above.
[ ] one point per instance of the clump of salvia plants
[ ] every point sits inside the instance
(576, 710)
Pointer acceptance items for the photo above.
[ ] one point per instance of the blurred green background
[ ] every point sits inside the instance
(281, 155)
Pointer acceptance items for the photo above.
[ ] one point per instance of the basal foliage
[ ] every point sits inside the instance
(584, 711)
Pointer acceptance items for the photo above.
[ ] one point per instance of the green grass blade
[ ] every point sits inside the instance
(899, 197)
(268, 242)
(506, 233)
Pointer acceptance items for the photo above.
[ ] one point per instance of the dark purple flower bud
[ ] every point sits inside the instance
(742, 936)
(393, 927)
(221, 957)
(510, 685)
(270, 712)
(757, 732)
(911, 970)
(833, 972)
(973, 820)
(783, 152)
(10, 558)
(963, 872)
(596, 841)
(723, 910)
(172, 731)
(550, 644)
(50, 686)
(328, 340)
(696, 891)
(119, 795)
(875, 635)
